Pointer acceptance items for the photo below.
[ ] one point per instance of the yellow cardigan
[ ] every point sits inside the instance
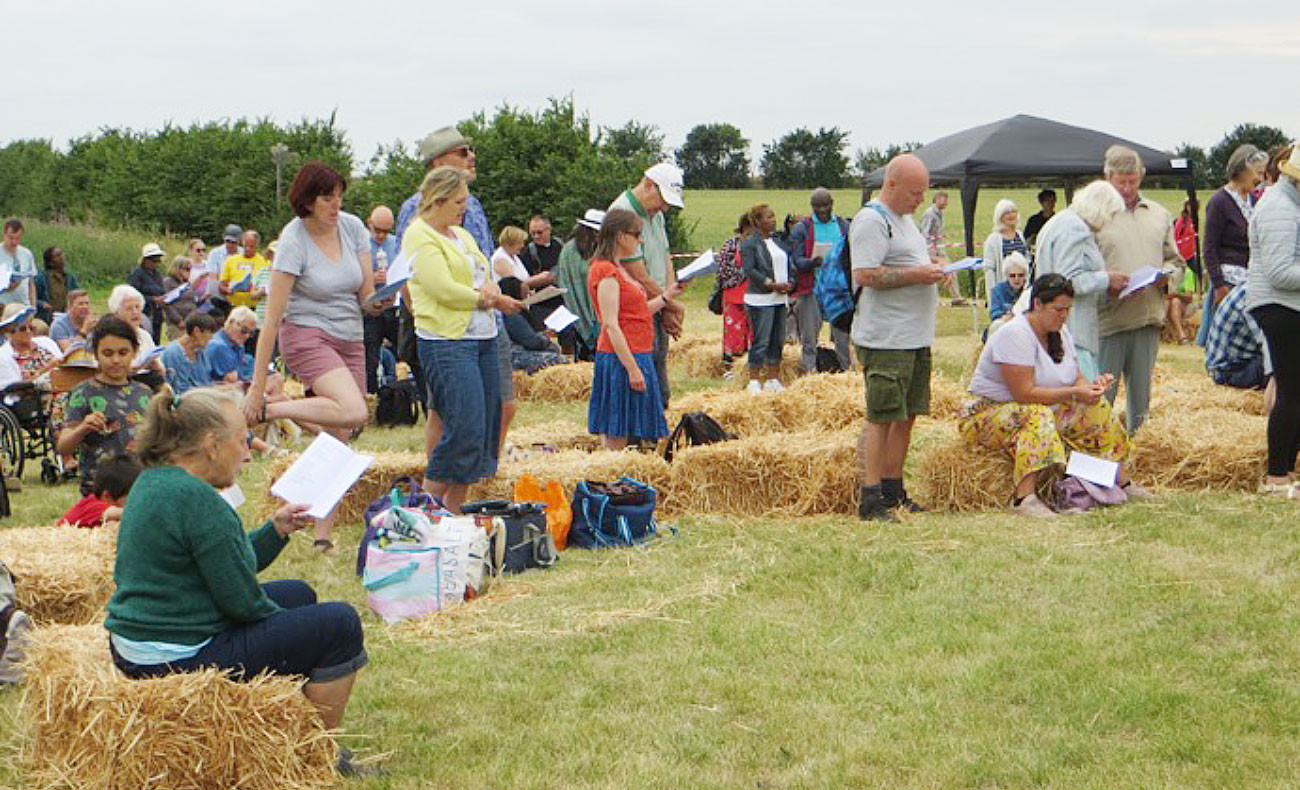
(442, 279)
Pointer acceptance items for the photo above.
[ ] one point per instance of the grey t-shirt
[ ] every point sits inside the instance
(897, 318)
(324, 295)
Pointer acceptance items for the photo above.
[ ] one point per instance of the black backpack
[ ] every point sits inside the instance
(828, 361)
(397, 404)
(695, 427)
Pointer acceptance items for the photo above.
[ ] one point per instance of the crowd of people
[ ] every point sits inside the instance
(181, 370)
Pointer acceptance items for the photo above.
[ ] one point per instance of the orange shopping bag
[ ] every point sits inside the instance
(559, 517)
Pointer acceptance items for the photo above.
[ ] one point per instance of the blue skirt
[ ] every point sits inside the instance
(616, 410)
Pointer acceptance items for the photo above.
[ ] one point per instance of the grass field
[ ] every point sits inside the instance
(1151, 646)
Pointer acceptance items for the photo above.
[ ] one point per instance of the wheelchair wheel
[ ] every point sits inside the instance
(13, 450)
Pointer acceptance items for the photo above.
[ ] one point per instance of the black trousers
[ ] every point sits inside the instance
(1281, 326)
(378, 328)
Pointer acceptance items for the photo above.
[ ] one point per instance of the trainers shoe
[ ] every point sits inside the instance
(348, 768)
(753, 386)
(1033, 507)
(908, 505)
(1281, 490)
(875, 509)
(773, 385)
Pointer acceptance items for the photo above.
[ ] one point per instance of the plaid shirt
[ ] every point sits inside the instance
(1234, 336)
(475, 221)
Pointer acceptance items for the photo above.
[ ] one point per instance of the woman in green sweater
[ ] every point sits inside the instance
(187, 593)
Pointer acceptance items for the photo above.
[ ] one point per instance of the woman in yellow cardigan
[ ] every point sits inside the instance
(452, 299)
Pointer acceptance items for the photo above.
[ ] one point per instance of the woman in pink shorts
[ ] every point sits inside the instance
(320, 282)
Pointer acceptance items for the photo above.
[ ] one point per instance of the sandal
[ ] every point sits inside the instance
(323, 545)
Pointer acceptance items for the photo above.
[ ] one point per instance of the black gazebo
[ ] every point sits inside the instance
(1022, 149)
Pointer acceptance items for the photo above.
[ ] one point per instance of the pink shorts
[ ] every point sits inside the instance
(311, 353)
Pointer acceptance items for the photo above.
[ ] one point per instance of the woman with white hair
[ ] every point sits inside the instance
(1067, 245)
(1004, 240)
(1016, 270)
(127, 303)
(1273, 299)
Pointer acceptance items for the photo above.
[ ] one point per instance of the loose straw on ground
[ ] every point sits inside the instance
(85, 725)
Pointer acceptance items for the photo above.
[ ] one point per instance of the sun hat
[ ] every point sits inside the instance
(439, 142)
(15, 314)
(232, 233)
(592, 219)
(1291, 165)
(668, 178)
(151, 250)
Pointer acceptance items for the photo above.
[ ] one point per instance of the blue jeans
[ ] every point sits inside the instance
(767, 328)
(464, 383)
(318, 641)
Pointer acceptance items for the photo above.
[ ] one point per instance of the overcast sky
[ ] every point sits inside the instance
(1157, 73)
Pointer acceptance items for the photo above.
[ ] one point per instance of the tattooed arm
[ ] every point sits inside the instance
(884, 278)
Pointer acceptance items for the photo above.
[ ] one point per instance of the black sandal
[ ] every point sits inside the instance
(323, 545)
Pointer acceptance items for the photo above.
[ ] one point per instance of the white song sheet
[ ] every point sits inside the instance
(321, 475)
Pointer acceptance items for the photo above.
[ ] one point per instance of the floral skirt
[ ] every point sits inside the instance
(735, 322)
(1037, 436)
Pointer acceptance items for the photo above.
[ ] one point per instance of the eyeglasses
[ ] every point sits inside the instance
(464, 150)
(200, 248)
(635, 233)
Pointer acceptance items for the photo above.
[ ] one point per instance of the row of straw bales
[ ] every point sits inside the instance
(65, 574)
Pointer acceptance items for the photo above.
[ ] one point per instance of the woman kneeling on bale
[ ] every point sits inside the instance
(187, 593)
(1031, 400)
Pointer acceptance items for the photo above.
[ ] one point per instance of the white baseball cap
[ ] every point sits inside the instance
(668, 177)
(592, 219)
(151, 250)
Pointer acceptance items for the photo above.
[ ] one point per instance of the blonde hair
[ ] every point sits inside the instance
(176, 425)
(440, 184)
(1097, 203)
(511, 235)
(120, 295)
(1004, 205)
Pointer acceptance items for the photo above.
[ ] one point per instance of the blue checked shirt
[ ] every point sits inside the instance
(1234, 337)
(475, 221)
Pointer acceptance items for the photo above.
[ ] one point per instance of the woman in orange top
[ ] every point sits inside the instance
(625, 400)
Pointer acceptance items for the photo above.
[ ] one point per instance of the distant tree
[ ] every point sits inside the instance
(28, 172)
(633, 141)
(864, 161)
(806, 159)
(714, 156)
(390, 177)
(1262, 137)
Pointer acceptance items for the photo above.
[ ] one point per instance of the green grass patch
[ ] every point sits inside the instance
(101, 258)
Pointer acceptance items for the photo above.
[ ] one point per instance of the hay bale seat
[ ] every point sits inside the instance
(64, 574)
(961, 478)
(557, 383)
(376, 480)
(85, 725)
(1208, 449)
(812, 472)
(558, 434)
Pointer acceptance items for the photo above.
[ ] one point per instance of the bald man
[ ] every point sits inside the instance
(893, 330)
(383, 251)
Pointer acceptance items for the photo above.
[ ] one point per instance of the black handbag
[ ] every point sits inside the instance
(528, 544)
(715, 302)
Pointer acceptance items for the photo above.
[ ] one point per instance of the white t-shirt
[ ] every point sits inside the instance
(1016, 344)
(517, 268)
(780, 274)
(19, 262)
(896, 318)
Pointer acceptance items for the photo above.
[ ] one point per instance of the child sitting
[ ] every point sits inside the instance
(113, 480)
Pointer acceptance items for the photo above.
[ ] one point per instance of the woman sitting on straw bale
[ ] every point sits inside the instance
(1273, 299)
(187, 593)
(103, 411)
(1005, 293)
(452, 299)
(625, 400)
(731, 282)
(1067, 245)
(771, 281)
(1004, 240)
(1031, 400)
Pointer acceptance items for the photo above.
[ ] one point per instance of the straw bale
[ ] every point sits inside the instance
(959, 477)
(789, 474)
(822, 401)
(559, 435)
(788, 372)
(560, 383)
(65, 574)
(377, 479)
(570, 466)
(1209, 449)
(523, 385)
(85, 725)
(700, 360)
(1178, 391)
(946, 397)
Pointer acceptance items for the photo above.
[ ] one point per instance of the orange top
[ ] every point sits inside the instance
(633, 308)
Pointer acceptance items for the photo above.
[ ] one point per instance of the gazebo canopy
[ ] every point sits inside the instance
(1025, 148)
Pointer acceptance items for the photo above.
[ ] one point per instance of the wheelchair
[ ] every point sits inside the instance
(27, 432)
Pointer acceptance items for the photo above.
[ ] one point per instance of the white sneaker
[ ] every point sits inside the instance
(773, 385)
(753, 386)
(1033, 507)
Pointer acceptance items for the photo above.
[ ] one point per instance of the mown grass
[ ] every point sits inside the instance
(1150, 646)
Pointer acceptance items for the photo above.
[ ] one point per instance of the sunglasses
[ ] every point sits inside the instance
(635, 233)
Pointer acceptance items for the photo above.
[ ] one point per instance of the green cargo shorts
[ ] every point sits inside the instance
(897, 383)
